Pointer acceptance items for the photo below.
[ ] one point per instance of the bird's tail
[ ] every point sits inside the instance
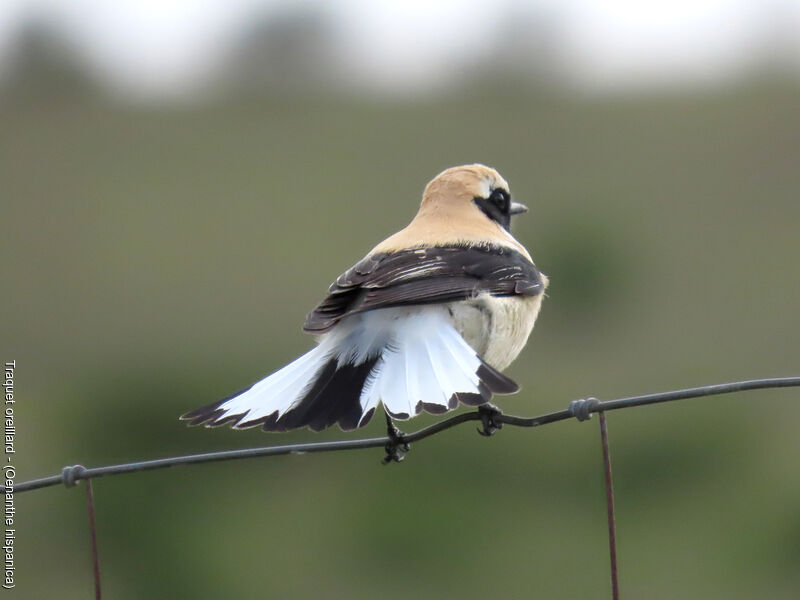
(412, 362)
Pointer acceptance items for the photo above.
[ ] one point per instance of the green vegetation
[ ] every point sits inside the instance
(155, 260)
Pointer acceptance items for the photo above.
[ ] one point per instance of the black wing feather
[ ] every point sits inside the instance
(425, 276)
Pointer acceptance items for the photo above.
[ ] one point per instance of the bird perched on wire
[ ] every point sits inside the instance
(426, 320)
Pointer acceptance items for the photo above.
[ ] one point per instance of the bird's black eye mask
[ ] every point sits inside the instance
(497, 207)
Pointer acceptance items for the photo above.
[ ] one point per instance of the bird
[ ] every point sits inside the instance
(426, 321)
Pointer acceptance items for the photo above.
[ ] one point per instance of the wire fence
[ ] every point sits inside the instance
(395, 447)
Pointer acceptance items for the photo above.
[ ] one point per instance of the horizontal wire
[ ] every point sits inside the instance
(580, 409)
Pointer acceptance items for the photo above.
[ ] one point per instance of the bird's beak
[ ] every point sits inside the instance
(517, 208)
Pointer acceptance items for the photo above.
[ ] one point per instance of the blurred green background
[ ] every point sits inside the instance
(157, 257)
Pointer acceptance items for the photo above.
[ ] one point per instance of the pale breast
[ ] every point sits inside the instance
(496, 328)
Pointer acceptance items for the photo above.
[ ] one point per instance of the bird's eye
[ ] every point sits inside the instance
(501, 200)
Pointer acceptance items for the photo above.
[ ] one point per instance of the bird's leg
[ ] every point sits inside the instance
(396, 448)
(489, 413)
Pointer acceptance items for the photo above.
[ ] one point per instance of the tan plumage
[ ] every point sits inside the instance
(449, 215)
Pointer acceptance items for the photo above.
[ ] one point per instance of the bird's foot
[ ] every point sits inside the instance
(489, 414)
(397, 447)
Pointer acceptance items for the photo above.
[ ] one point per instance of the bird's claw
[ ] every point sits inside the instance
(396, 447)
(489, 421)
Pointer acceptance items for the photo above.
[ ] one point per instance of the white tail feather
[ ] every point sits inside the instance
(439, 373)
(278, 392)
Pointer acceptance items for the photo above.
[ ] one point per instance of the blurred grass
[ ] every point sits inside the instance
(155, 260)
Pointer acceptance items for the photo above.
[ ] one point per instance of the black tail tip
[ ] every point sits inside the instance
(495, 381)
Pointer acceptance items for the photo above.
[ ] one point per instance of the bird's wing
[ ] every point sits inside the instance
(425, 276)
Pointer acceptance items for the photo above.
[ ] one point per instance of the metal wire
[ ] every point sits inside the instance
(98, 594)
(579, 409)
(612, 520)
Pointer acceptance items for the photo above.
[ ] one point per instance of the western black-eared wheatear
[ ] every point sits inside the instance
(426, 320)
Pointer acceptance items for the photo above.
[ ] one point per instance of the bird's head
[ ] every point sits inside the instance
(474, 191)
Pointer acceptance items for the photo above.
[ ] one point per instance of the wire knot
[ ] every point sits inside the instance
(70, 475)
(583, 409)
